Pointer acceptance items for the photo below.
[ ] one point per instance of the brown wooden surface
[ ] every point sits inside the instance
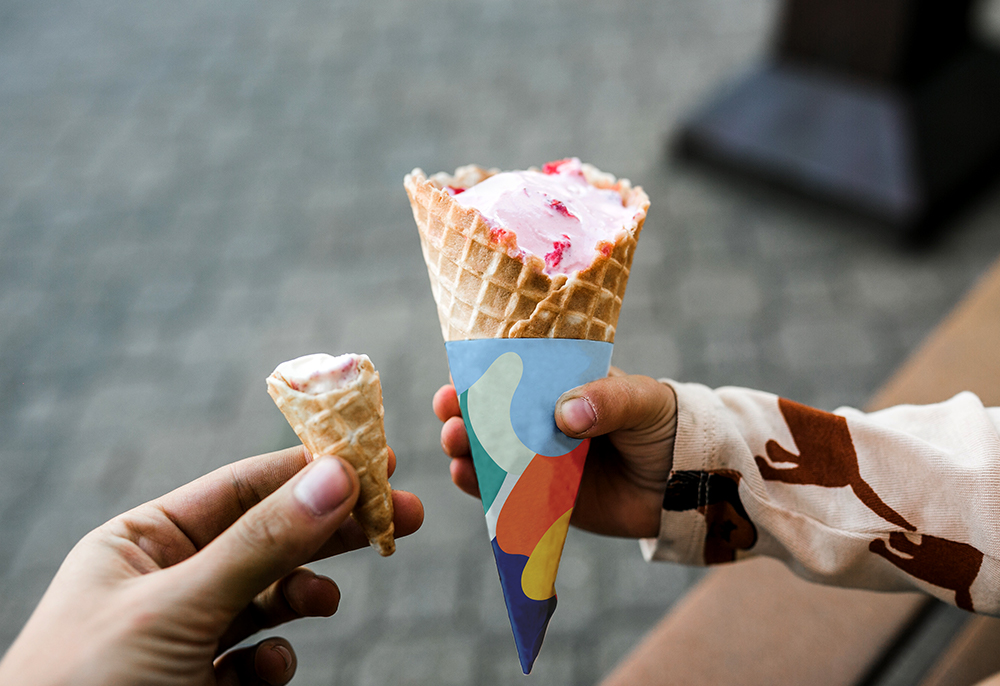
(972, 656)
(973, 327)
(961, 354)
(756, 623)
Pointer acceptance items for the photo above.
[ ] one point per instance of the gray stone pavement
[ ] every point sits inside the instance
(192, 192)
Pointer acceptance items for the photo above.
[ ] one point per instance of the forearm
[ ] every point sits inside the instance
(889, 500)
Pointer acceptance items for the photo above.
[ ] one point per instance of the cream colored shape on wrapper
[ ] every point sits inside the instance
(489, 413)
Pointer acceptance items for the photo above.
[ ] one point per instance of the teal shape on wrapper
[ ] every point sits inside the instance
(488, 472)
(548, 368)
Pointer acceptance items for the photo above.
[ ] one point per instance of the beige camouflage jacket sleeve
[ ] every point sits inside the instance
(891, 500)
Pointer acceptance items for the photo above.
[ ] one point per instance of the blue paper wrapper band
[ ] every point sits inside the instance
(508, 390)
(551, 366)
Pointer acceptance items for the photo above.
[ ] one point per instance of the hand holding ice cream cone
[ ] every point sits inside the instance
(621, 490)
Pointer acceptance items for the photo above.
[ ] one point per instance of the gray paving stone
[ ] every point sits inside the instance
(579, 593)
(556, 665)
(807, 345)
(898, 287)
(722, 292)
(655, 354)
(191, 193)
(613, 647)
(457, 516)
(419, 661)
(427, 588)
(353, 575)
(651, 585)
(122, 403)
(21, 591)
(51, 536)
(730, 344)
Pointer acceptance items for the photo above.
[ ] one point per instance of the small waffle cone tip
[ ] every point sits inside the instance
(348, 422)
(484, 289)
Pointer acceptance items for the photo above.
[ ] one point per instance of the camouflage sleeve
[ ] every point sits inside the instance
(891, 500)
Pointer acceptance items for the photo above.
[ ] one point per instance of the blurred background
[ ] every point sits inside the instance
(192, 192)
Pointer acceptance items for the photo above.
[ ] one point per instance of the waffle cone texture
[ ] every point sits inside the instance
(488, 288)
(348, 422)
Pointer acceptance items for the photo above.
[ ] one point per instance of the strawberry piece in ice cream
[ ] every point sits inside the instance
(554, 258)
(554, 167)
(320, 373)
(554, 214)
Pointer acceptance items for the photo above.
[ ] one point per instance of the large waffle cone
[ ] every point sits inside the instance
(484, 288)
(348, 422)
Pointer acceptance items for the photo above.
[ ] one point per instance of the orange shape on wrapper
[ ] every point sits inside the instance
(545, 491)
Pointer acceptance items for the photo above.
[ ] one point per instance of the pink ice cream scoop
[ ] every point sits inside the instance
(554, 213)
(320, 373)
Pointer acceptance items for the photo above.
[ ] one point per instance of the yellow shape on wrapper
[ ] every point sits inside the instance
(539, 577)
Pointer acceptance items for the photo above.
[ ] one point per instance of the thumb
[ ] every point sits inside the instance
(274, 537)
(615, 402)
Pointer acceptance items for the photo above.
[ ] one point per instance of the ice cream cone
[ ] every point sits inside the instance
(347, 422)
(485, 289)
(517, 337)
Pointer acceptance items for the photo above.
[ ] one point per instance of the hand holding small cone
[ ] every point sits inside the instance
(334, 405)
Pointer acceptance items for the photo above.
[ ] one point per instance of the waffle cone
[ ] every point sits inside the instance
(348, 423)
(485, 288)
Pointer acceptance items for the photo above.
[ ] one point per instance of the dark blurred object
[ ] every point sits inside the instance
(888, 107)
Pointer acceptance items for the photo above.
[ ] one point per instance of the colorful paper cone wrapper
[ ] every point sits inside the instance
(529, 471)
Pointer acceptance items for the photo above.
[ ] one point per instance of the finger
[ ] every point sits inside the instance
(392, 461)
(280, 533)
(308, 594)
(445, 403)
(455, 439)
(271, 662)
(301, 593)
(407, 516)
(613, 403)
(463, 475)
(206, 507)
